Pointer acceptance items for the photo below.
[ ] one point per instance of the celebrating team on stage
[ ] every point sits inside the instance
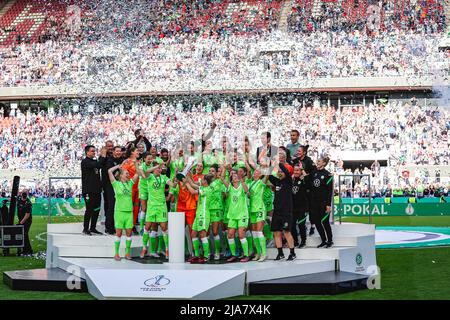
(236, 204)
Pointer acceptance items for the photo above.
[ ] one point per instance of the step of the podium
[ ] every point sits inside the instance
(53, 279)
(321, 283)
(339, 230)
(60, 239)
(73, 228)
(255, 271)
(352, 229)
(96, 251)
(66, 239)
(312, 253)
(341, 241)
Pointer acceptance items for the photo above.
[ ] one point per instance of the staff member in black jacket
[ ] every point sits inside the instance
(24, 213)
(299, 196)
(108, 192)
(321, 184)
(308, 166)
(5, 221)
(282, 210)
(304, 159)
(91, 186)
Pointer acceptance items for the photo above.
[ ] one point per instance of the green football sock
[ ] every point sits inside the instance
(267, 233)
(244, 244)
(225, 240)
(117, 245)
(196, 244)
(166, 240)
(217, 244)
(153, 242)
(232, 245)
(145, 239)
(128, 246)
(205, 244)
(141, 219)
(249, 242)
(237, 243)
(256, 241)
(186, 247)
(262, 243)
(160, 244)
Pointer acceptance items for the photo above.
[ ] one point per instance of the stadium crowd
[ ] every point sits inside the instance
(182, 41)
(302, 56)
(412, 134)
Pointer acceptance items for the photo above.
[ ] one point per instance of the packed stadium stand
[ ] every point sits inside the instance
(184, 46)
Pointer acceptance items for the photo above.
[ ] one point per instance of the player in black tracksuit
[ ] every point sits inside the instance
(308, 166)
(282, 210)
(301, 204)
(321, 186)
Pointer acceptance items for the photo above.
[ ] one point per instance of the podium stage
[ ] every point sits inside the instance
(88, 260)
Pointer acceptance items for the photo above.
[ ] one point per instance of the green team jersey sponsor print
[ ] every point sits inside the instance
(123, 195)
(156, 187)
(217, 202)
(238, 208)
(256, 189)
(204, 194)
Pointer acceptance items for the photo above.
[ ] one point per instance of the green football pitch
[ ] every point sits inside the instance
(413, 273)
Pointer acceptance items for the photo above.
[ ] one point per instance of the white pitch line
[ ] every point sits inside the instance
(39, 237)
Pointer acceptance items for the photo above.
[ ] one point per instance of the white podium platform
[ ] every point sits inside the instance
(90, 257)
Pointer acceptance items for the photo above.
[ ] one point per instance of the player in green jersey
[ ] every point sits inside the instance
(208, 157)
(201, 224)
(156, 210)
(257, 211)
(237, 214)
(147, 168)
(123, 209)
(177, 164)
(216, 206)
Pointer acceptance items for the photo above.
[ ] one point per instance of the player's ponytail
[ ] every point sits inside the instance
(325, 159)
(305, 148)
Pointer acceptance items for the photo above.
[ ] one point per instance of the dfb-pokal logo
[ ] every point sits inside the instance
(359, 259)
(157, 282)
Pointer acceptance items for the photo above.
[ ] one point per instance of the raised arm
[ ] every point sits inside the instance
(208, 135)
(249, 171)
(139, 171)
(244, 185)
(136, 175)
(189, 187)
(110, 172)
(147, 173)
(171, 183)
(284, 169)
(251, 163)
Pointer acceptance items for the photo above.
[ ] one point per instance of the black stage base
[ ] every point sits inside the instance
(54, 279)
(324, 283)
